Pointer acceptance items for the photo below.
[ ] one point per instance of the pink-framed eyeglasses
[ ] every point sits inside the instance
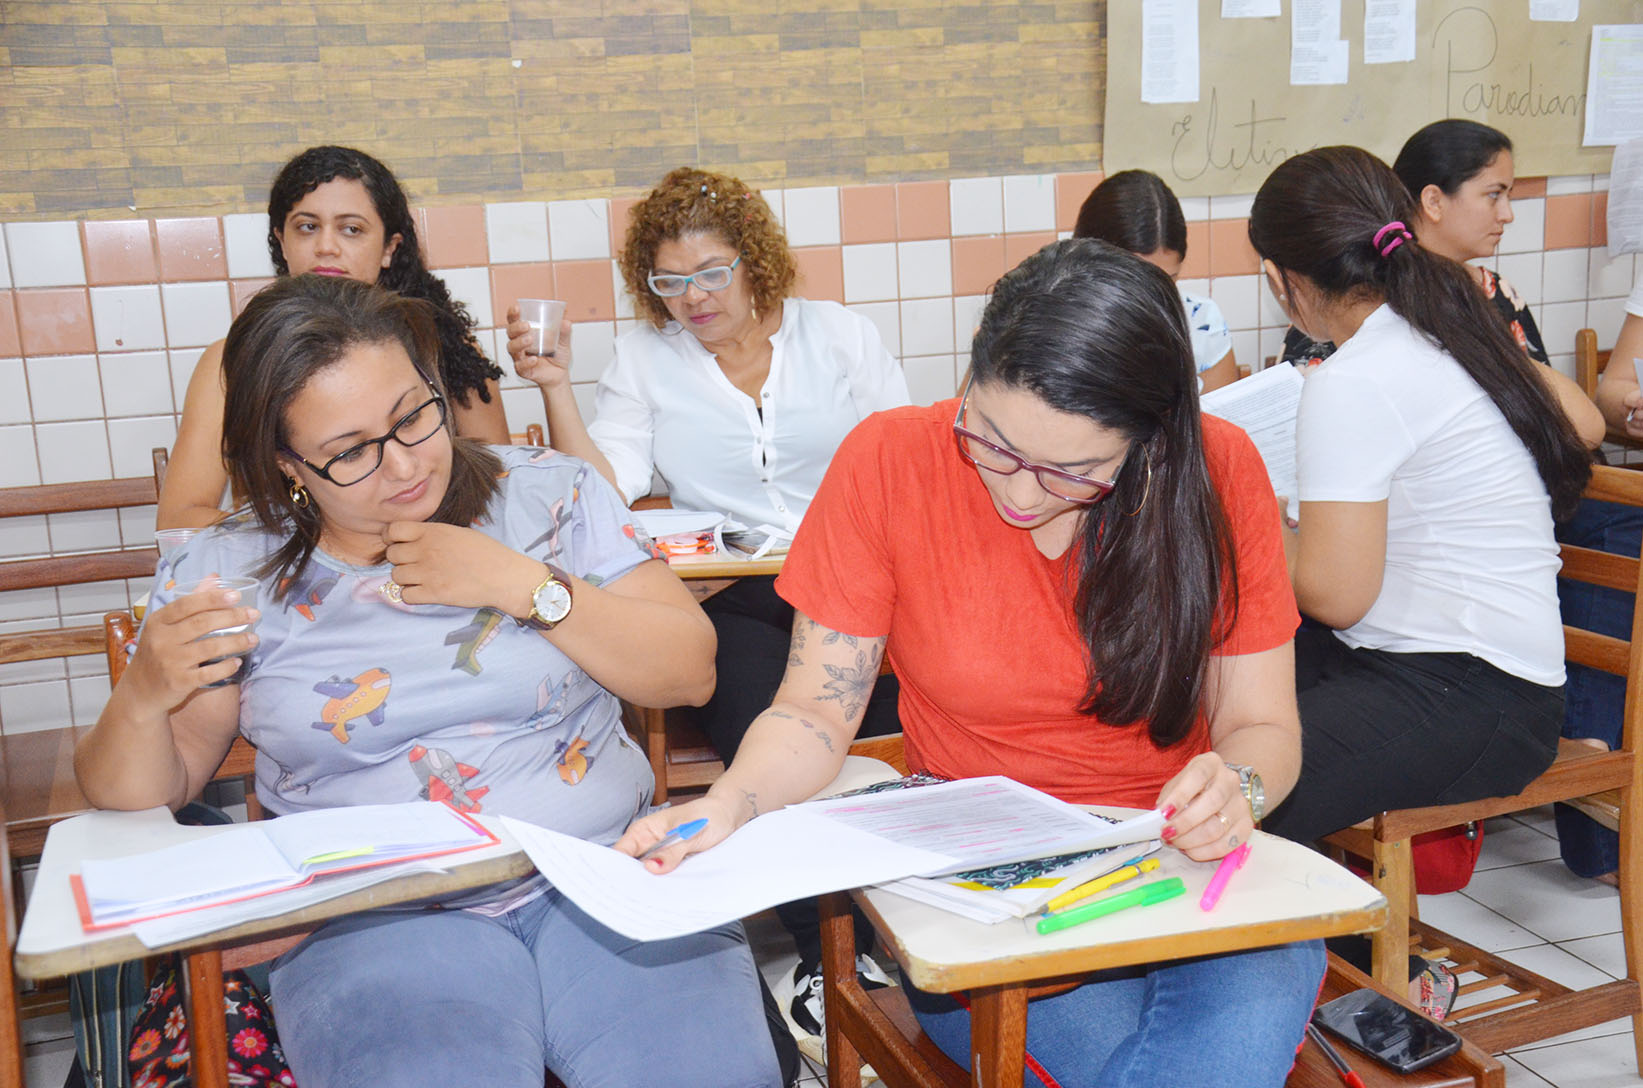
(985, 455)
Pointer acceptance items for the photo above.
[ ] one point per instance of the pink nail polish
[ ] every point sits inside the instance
(1167, 834)
(1169, 812)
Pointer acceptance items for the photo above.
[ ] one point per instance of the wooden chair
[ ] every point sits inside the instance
(1537, 1008)
(11, 1033)
(531, 436)
(1590, 364)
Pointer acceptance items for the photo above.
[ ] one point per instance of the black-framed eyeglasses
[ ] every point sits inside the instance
(363, 458)
(985, 455)
(672, 285)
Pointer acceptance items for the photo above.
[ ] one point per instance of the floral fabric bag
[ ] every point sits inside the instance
(158, 1054)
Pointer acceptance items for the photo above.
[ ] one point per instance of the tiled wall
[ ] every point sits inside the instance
(101, 323)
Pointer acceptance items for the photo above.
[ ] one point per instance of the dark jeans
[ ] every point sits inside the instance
(755, 626)
(1595, 699)
(1386, 730)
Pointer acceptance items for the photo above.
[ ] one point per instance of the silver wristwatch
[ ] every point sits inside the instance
(1250, 782)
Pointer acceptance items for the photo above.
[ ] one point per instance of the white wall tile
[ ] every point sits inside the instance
(1526, 272)
(977, 205)
(1564, 364)
(245, 238)
(18, 467)
(5, 264)
(1527, 230)
(593, 345)
(1608, 275)
(1600, 183)
(966, 316)
(1563, 276)
(93, 598)
(927, 327)
(1198, 286)
(132, 442)
(579, 230)
(812, 215)
(1230, 207)
(524, 407)
(517, 232)
(619, 288)
(29, 672)
(88, 695)
(83, 531)
(196, 313)
(887, 316)
(1029, 202)
(929, 377)
(14, 392)
(137, 527)
(584, 398)
(472, 288)
(1246, 347)
(138, 384)
(182, 369)
(869, 272)
(1559, 321)
(65, 387)
(926, 268)
(28, 605)
(46, 254)
(1271, 314)
(1272, 344)
(73, 451)
(127, 318)
(1237, 298)
(1194, 209)
(1571, 183)
(778, 206)
(29, 708)
(1606, 316)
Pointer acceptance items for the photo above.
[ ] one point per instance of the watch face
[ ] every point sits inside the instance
(552, 602)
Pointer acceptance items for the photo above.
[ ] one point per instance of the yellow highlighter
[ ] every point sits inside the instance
(1099, 884)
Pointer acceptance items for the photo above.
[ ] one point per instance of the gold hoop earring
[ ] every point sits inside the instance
(1145, 491)
(299, 496)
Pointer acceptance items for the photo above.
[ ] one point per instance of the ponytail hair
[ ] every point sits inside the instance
(1097, 332)
(1338, 216)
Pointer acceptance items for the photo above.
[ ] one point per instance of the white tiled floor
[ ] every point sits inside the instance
(1521, 901)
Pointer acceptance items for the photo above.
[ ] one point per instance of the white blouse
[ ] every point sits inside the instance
(664, 405)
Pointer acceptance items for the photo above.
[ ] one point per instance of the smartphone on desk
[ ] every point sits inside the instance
(1387, 1031)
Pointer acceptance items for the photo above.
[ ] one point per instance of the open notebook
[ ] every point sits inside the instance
(249, 860)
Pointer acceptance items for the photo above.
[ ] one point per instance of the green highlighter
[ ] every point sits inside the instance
(1144, 896)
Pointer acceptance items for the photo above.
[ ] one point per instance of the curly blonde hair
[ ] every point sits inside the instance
(691, 201)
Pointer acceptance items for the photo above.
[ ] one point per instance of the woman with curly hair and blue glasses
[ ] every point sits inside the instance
(333, 211)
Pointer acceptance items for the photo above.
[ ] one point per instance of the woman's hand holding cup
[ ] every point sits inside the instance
(201, 639)
(538, 355)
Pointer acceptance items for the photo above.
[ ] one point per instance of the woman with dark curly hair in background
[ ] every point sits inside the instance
(737, 393)
(333, 211)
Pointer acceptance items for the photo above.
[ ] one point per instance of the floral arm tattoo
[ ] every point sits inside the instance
(850, 663)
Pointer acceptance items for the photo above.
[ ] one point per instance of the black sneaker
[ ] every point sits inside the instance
(805, 1008)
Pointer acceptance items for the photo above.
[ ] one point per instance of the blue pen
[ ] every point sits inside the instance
(678, 834)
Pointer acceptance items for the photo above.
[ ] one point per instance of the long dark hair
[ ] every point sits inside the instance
(1323, 214)
(291, 330)
(1092, 330)
(1447, 154)
(463, 366)
(1135, 211)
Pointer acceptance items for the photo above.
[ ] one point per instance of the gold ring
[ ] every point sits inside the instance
(1226, 824)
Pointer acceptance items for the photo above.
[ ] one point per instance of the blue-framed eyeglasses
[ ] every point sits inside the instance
(363, 458)
(672, 285)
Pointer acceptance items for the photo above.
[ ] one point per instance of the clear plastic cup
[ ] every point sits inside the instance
(248, 599)
(543, 315)
(169, 540)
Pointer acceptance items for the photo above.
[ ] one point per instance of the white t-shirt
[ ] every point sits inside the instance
(663, 404)
(1211, 340)
(1471, 565)
(1634, 304)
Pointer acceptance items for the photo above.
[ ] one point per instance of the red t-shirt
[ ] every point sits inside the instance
(902, 540)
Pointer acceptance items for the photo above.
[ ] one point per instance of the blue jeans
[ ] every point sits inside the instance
(1232, 1021)
(451, 997)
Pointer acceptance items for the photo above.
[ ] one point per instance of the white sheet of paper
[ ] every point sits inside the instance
(1250, 9)
(1317, 53)
(1554, 11)
(660, 523)
(1614, 85)
(783, 855)
(1388, 31)
(1169, 50)
(1264, 405)
(1626, 198)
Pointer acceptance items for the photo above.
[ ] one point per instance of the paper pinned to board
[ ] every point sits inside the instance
(1169, 50)
(1614, 85)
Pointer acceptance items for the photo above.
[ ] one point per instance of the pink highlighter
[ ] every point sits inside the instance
(1223, 873)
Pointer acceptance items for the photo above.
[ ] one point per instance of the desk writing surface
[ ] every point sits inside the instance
(724, 565)
(51, 943)
(1285, 892)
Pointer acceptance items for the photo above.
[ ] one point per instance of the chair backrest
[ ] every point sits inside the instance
(1617, 656)
(11, 1035)
(1589, 362)
(531, 436)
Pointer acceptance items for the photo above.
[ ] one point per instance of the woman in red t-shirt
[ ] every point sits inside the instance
(1111, 625)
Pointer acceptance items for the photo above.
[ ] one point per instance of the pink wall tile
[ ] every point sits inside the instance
(868, 213)
(512, 282)
(977, 263)
(1230, 253)
(1071, 190)
(10, 344)
(1018, 247)
(1196, 266)
(55, 320)
(1568, 220)
(190, 249)
(621, 209)
(585, 287)
(119, 251)
(923, 210)
(455, 236)
(1600, 218)
(821, 272)
(1528, 188)
(240, 291)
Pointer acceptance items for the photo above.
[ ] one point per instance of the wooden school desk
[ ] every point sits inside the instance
(1284, 893)
(51, 943)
